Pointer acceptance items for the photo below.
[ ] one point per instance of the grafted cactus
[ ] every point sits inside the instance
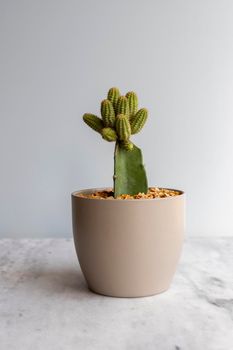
(121, 119)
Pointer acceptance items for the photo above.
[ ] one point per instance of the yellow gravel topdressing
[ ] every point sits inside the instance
(153, 192)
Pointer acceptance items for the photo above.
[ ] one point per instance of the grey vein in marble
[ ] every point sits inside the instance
(45, 304)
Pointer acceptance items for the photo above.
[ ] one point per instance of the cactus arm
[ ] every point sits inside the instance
(133, 103)
(108, 114)
(113, 95)
(93, 122)
(129, 172)
(123, 128)
(138, 120)
(122, 106)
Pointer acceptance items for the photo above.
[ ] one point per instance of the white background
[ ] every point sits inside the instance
(57, 61)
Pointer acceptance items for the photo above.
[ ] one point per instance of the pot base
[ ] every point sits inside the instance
(127, 296)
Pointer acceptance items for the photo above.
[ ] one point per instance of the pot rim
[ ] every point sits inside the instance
(90, 190)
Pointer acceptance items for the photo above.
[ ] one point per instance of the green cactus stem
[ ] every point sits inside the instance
(133, 103)
(122, 106)
(93, 121)
(138, 121)
(123, 128)
(113, 95)
(109, 134)
(129, 172)
(107, 112)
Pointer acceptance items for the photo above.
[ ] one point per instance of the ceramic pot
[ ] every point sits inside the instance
(128, 248)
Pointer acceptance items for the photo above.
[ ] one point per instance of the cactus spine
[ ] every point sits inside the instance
(109, 134)
(133, 103)
(139, 120)
(123, 127)
(107, 112)
(113, 95)
(122, 106)
(93, 121)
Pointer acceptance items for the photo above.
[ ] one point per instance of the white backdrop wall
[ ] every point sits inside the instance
(58, 59)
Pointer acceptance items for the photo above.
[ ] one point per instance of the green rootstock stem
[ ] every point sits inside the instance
(129, 172)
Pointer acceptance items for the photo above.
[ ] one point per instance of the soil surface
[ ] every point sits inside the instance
(153, 192)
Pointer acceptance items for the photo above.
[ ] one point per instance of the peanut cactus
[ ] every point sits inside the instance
(108, 113)
(121, 119)
(133, 103)
(123, 127)
(138, 120)
(122, 106)
(113, 95)
(93, 121)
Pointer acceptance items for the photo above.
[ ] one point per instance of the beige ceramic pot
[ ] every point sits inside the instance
(128, 248)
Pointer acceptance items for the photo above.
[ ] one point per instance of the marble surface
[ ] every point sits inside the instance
(45, 304)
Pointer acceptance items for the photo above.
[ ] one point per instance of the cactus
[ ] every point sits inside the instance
(120, 119)
(113, 95)
(109, 134)
(123, 128)
(93, 121)
(122, 106)
(107, 113)
(138, 121)
(133, 103)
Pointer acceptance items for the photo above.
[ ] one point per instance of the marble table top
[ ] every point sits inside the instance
(45, 304)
